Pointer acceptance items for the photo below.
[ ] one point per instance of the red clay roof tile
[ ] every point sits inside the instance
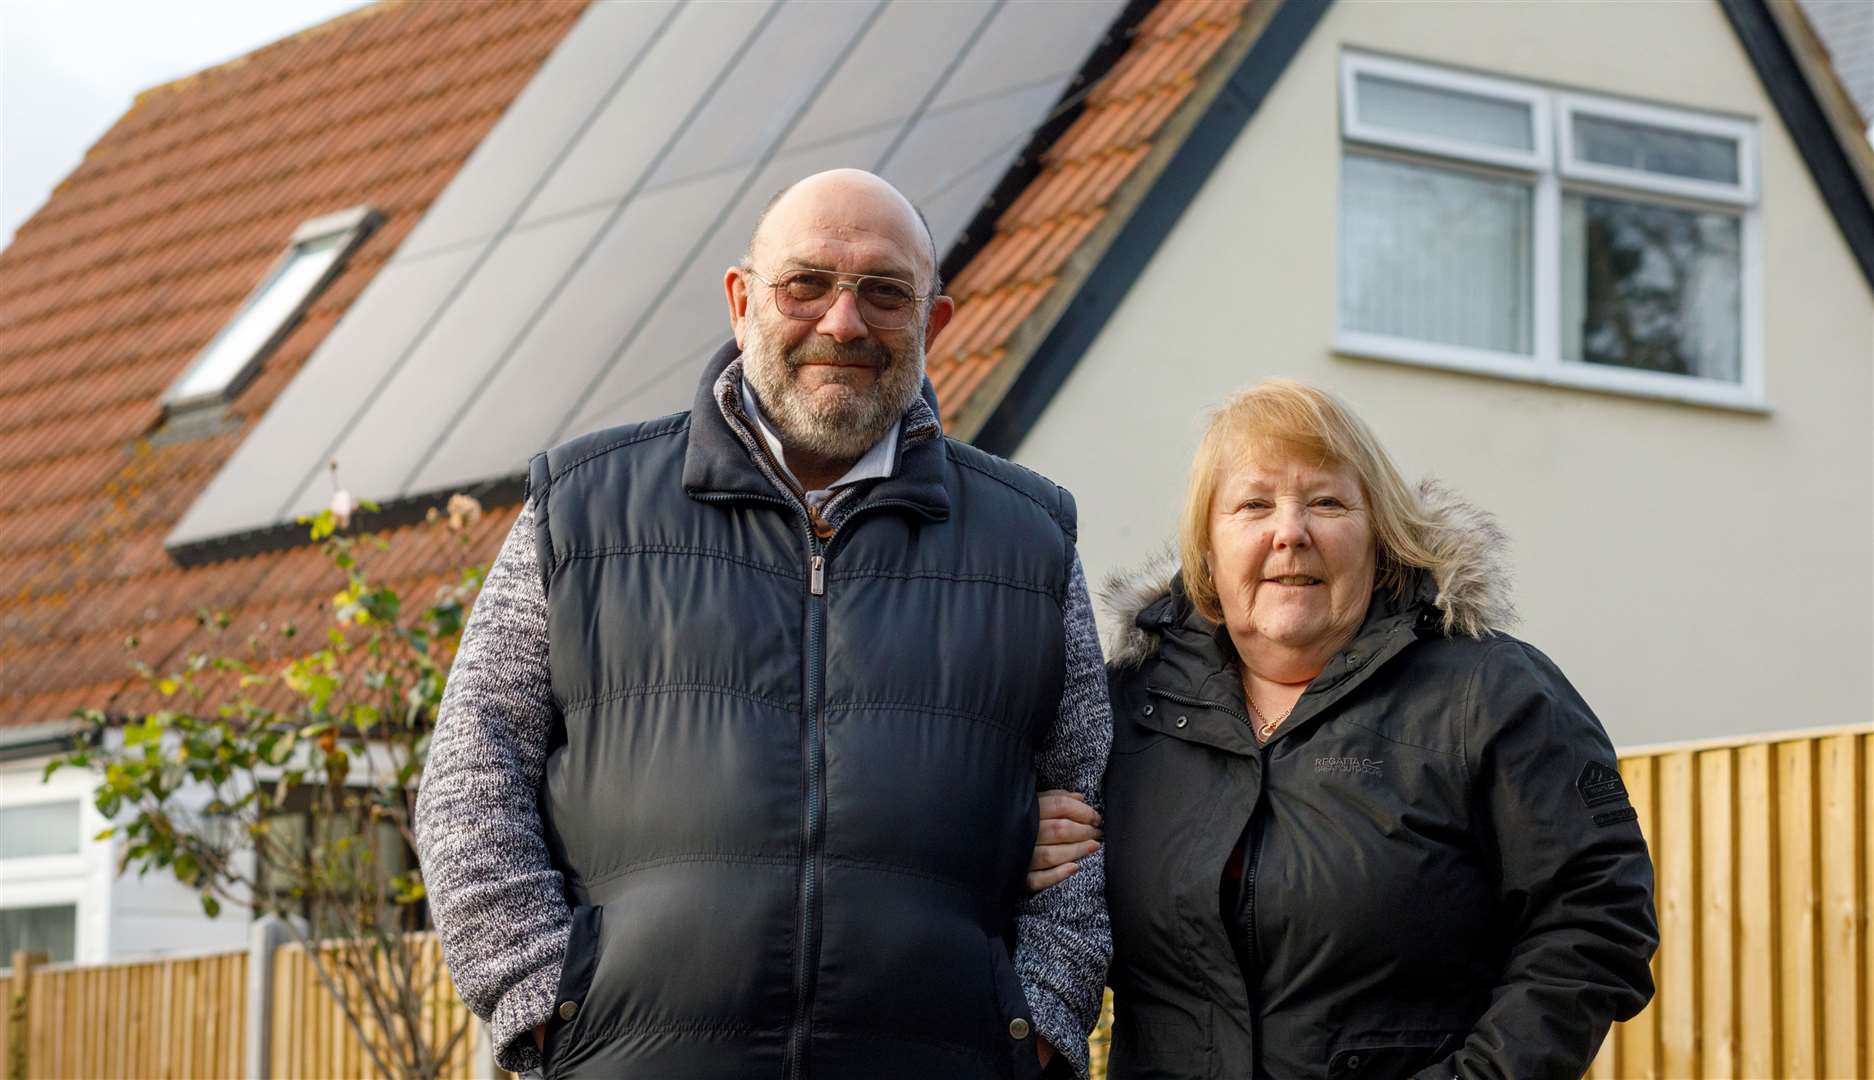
(141, 256)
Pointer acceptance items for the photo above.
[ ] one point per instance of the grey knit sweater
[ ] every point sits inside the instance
(498, 902)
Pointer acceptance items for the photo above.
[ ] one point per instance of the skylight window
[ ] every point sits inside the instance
(236, 353)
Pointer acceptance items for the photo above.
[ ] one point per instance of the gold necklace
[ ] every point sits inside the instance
(1265, 730)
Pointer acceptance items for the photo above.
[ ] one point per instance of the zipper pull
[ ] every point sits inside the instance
(817, 584)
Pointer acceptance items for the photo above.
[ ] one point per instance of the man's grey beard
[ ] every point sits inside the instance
(839, 430)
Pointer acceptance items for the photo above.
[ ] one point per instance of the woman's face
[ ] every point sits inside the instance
(1293, 556)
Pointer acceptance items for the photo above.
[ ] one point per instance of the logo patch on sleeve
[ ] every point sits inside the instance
(1600, 785)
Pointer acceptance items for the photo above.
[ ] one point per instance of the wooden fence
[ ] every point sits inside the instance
(182, 1017)
(1764, 851)
(186, 1018)
(311, 1040)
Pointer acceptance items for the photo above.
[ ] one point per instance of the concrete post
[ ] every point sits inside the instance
(268, 934)
(482, 1062)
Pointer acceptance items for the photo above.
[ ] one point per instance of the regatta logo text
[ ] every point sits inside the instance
(1363, 766)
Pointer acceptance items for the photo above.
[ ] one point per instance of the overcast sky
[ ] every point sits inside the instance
(70, 68)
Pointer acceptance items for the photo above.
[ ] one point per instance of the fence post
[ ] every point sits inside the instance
(482, 1061)
(18, 992)
(266, 935)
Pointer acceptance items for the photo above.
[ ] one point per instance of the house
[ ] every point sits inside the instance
(423, 241)
(258, 265)
(1604, 269)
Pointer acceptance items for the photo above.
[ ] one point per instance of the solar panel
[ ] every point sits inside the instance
(904, 59)
(801, 48)
(571, 274)
(652, 106)
(1029, 43)
(444, 368)
(609, 46)
(578, 334)
(251, 490)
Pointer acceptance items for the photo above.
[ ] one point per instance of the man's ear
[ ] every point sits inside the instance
(941, 308)
(735, 288)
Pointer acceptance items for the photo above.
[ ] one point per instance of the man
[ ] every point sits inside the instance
(736, 772)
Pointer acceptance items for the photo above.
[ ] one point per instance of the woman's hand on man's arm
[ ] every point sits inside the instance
(1070, 830)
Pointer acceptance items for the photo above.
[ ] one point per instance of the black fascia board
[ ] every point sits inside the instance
(1808, 125)
(396, 513)
(1151, 222)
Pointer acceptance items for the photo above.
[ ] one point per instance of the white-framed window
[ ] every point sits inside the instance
(37, 829)
(51, 929)
(46, 873)
(312, 258)
(1510, 229)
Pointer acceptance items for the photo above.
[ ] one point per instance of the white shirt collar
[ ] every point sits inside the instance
(875, 464)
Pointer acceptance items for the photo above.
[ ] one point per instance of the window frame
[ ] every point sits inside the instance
(1570, 105)
(78, 831)
(351, 227)
(71, 879)
(1550, 171)
(1354, 65)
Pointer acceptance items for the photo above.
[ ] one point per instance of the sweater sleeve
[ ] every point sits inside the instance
(496, 900)
(1063, 937)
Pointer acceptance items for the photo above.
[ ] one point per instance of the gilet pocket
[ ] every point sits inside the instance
(569, 1021)
(1014, 1026)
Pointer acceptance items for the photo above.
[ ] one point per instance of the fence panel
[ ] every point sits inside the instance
(177, 1017)
(313, 1041)
(1765, 869)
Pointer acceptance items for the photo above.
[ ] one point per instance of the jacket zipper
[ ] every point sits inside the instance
(1246, 905)
(814, 747)
(813, 741)
(1249, 911)
(813, 825)
(813, 750)
(813, 809)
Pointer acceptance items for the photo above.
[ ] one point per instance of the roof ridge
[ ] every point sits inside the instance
(370, 10)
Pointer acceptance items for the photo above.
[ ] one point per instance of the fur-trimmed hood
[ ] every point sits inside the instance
(1469, 583)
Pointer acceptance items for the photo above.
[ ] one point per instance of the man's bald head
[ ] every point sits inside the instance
(847, 201)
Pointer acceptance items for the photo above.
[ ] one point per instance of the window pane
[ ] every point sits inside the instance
(1651, 287)
(1651, 149)
(1445, 114)
(228, 354)
(50, 930)
(1435, 255)
(39, 829)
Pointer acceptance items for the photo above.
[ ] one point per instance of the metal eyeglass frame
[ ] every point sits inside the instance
(843, 280)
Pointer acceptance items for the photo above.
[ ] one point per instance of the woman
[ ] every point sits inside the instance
(1351, 828)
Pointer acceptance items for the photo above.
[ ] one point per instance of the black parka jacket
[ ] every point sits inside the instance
(1441, 873)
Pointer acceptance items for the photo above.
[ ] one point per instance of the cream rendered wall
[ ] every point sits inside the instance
(1695, 571)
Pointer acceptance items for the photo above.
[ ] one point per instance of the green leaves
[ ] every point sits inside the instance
(288, 773)
(148, 731)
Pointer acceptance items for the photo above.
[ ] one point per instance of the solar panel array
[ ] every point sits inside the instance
(570, 276)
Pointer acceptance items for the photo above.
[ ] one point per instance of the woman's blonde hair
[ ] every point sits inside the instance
(1289, 421)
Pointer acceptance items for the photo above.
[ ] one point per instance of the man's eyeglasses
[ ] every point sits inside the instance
(885, 303)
